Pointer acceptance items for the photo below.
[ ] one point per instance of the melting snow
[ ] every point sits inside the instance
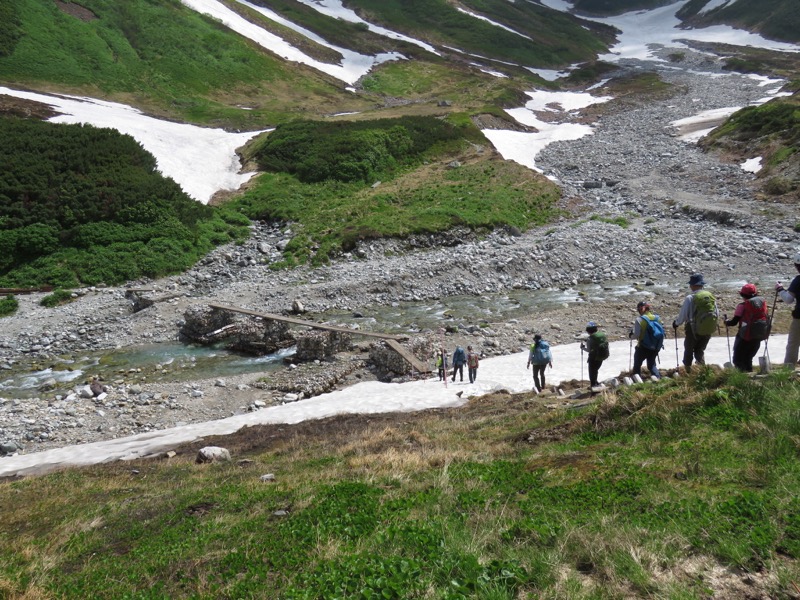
(502, 372)
(202, 160)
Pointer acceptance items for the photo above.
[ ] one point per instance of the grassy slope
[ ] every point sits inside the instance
(557, 39)
(775, 19)
(771, 131)
(678, 490)
(166, 58)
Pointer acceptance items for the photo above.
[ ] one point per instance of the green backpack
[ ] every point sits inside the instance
(705, 318)
(600, 345)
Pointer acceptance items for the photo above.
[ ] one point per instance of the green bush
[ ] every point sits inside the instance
(57, 298)
(8, 306)
(82, 205)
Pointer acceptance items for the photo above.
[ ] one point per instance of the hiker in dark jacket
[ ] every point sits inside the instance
(459, 360)
(748, 339)
(647, 347)
(790, 296)
(597, 347)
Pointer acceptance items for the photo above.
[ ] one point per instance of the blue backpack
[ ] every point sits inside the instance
(540, 353)
(653, 334)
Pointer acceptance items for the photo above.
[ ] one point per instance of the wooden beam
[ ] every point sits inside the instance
(312, 324)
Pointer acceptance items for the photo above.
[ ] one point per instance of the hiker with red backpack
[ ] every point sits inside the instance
(791, 296)
(751, 316)
(648, 331)
(699, 312)
(473, 359)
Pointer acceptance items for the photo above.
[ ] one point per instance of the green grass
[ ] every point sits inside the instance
(161, 55)
(333, 217)
(640, 497)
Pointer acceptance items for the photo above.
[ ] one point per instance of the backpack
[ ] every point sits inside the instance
(755, 324)
(472, 360)
(459, 358)
(599, 346)
(540, 353)
(705, 318)
(653, 334)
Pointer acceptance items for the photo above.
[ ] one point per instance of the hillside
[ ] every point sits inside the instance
(687, 489)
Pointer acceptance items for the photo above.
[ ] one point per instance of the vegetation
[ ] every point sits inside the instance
(8, 306)
(341, 203)
(158, 54)
(57, 298)
(82, 205)
(356, 151)
(642, 496)
(775, 19)
(543, 37)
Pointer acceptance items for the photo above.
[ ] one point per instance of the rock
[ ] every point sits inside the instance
(211, 454)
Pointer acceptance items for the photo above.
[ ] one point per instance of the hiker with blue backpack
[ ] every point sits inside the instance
(539, 356)
(648, 331)
(459, 360)
(699, 312)
(752, 317)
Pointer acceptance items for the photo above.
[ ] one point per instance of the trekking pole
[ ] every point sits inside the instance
(728, 337)
(677, 362)
(630, 353)
(769, 325)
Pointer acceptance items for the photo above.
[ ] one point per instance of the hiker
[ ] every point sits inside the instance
(790, 296)
(751, 316)
(597, 347)
(539, 356)
(699, 312)
(648, 330)
(459, 360)
(441, 364)
(472, 364)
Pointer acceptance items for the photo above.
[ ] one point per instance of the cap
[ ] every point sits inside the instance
(591, 325)
(696, 279)
(643, 304)
(748, 290)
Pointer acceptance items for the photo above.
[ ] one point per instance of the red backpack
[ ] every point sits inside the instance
(755, 324)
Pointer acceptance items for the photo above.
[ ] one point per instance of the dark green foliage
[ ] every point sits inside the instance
(615, 7)
(57, 298)
(348, 151)
(775, 19)
(10, 29)
(8, 306)
(553, 38)
(80, 204)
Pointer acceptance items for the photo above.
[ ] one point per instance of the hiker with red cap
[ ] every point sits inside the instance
(648, 331)
(751, 316)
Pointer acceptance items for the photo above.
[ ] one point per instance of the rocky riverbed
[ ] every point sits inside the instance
(643, 210)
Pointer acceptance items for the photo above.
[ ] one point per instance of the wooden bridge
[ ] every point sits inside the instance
(392, 340)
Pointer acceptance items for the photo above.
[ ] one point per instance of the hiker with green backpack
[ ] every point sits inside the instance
(597, 347)
(648, 331)
(699, 312)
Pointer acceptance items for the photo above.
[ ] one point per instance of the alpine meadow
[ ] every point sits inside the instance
(244, 245)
